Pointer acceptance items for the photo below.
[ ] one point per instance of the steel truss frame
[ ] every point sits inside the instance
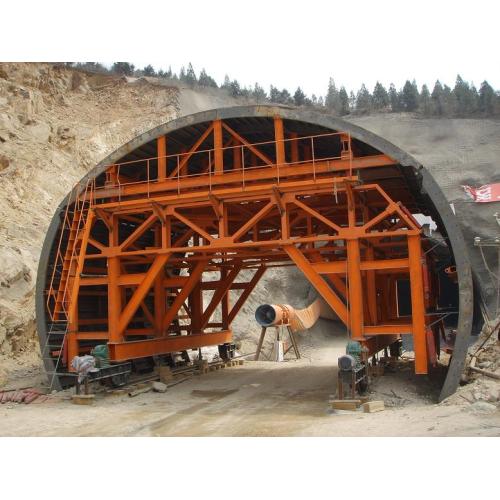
(138, 249)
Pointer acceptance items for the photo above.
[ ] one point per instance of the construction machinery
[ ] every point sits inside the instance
(126, 256)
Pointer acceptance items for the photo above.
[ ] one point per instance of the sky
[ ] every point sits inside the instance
(287, 44)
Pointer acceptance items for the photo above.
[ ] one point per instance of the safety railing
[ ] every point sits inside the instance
(247, 160)
(73, 221)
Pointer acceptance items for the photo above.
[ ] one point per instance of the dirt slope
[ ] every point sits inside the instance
(55, 125)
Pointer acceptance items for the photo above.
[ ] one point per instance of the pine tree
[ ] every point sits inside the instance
(380, 97)
(285, 97)
(410, 96)
(190, 75)
(344, 102)
(486, 99)
(425, 104)
(437, 98)
(274, 94)
(299, 97)
(332, 101)
(148, 70)
(465, 96)
(245, 92)
(123, 68)
(168, 73)
(227, 83)
(363, 100)
(449, 101)
(474, 94)
(258, 93)
(235, 89)
(206, 80)
(182, 74)
(352, 100)
(394, 99)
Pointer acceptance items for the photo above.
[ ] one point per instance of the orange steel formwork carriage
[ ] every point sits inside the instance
(135, 243)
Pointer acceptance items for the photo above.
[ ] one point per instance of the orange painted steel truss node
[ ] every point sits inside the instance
(137, 243)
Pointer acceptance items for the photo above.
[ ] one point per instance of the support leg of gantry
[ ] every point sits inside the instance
(355, 289)
(417, 303)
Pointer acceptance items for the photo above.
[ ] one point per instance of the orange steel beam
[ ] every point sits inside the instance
(122, 351)
(250, 147)
(219, 294)
(226, 245)
(417, 304)
(114, 292)
(72, 342)
(258, 174)
(139, 231)
(371, 288)
(184, 157)
(336, 280)
(147, 312)
(316, 215)
(354, 281)
(160, 298)
(256, 218)
(218, 147)
(388, 329)
(141, 291)
(161, 151)
(317, 281)
(183, 294)
(246, 293)
(197, 229)
(341, 267)
(371, 282)
(279, 138)
(233, 194)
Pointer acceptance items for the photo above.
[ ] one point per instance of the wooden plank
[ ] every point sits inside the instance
(373, 406)
(345, 404)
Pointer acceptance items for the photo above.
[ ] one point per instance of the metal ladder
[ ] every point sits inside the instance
(55, 341)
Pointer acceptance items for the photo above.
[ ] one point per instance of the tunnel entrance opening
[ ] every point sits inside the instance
(131, 256)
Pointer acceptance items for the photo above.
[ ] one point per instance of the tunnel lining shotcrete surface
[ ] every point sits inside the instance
(256, 125)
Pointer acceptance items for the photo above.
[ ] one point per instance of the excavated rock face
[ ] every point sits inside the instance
(55, 125)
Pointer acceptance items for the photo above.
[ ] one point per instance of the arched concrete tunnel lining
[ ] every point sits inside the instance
(418, 177)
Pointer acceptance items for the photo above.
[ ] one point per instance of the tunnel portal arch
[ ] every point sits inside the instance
(231, 183)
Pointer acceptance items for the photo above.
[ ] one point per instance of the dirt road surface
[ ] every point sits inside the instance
(256, 399)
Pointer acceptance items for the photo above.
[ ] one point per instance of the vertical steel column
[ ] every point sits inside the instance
(355, 285)
(114, 295)
(225, 303)
(279, 137)
(218, 151)
(161, 148)
(417, 303)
